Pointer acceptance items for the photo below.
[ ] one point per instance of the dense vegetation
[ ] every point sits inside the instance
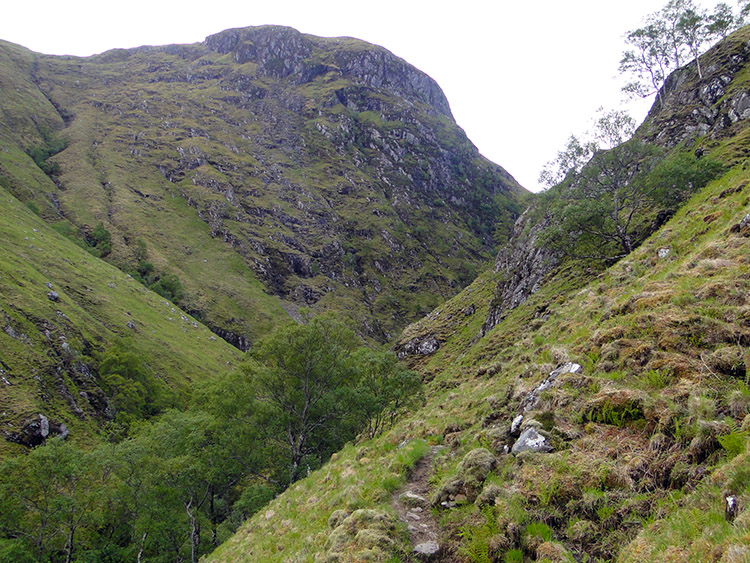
(610, 193)
(173, 488)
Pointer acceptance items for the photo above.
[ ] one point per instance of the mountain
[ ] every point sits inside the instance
(328, 173)
(571, 413)
(239, 179)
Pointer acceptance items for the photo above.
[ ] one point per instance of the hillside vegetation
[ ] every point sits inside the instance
(204, 246)
(602, 416)
(326, 172)
(62, 310)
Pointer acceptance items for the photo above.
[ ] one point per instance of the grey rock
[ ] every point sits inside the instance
(533, 397)
(43, 426)
(423, 346)
(36, 430)
(745, 221)
(522, 266)
(516, 423)
(663, 252)
(427, 549)
(53, 296)
(413, 499)
(531, 441)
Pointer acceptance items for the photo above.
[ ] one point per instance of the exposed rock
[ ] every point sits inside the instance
(531, 440)
(521, 267)
(663, 252)
(532, 398)
(427, 549)
(423, 346)
(239, 341)
(412, 499)
(35, 431)
(516, 424)
(53, 296)
(731, 506)
(688, 107)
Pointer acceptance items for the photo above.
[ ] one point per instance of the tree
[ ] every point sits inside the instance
(605, 208)
(48, 497)
(692, 27)
(670, 36)
(599, 212)
(648, 59)
(722, 21)
(385, 388)
(130, 384)
(304, 391)
(303, 385)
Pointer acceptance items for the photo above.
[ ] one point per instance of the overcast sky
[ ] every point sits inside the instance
(520, 76)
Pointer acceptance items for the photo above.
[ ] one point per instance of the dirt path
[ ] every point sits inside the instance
(412, 505)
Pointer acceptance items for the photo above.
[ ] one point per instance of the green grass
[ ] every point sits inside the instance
(43, 340)
(640, 372)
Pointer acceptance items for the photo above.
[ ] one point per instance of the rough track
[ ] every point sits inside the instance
(411, 503)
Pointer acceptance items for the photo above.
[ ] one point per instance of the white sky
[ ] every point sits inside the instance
(520, 76)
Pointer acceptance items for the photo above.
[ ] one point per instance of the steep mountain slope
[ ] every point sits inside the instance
(327, 169)
(597, 410)
(61, 311)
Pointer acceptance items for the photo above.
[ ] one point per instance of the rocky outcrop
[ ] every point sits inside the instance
(283, 52)
(689, 107)
(531, 440)
(36, 430)
(521, 267)
(421, 346)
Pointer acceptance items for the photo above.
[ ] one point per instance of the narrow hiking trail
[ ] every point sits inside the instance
(411, 503)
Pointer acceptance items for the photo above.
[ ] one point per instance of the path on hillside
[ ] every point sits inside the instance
(411, 503)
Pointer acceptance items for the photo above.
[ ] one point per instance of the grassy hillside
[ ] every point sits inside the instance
(261, 161)
(62, 309)
(633, 383)
(659, 408)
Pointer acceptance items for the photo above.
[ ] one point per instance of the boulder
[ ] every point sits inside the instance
(420, 346)
(531, 440)
(427, 549)
(36, 430)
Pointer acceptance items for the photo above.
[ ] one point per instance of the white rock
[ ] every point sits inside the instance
(427, 548)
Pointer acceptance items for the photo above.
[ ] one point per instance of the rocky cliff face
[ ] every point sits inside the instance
(521, 267)
(330, 168)
(698, 112)
(690, 107)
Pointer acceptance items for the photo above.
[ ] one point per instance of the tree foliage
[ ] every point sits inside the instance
(609, 194)
(680, 31)
(313, 387)
(182, 482)
(134, 390)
